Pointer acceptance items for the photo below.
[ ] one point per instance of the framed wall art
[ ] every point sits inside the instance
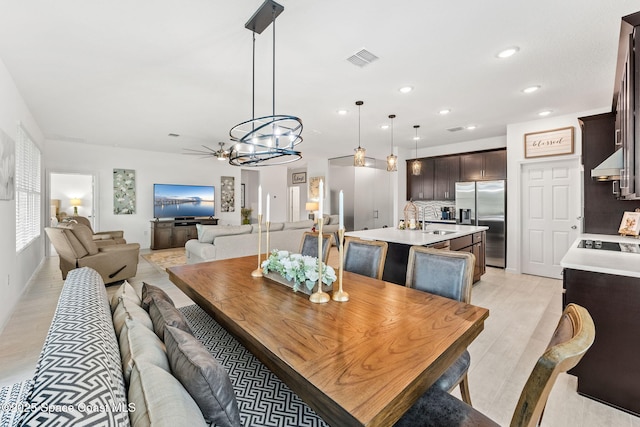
(227, 198)
(630, 224)
(314, 187)
(124, 191)
(299, 178)
(555, 142)
(7, 167)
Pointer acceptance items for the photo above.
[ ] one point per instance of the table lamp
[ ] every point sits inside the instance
(311, 207)
(75, 203)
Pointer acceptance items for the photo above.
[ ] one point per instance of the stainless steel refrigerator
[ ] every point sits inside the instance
(484, 204)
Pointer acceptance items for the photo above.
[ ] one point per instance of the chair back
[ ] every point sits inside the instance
(572, 338)
(309, 245)
(441, 272)
(365, 257)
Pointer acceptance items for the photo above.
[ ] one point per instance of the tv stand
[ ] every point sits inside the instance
(174, 233)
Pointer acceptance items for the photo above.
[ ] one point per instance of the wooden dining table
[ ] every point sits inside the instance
(363, 362)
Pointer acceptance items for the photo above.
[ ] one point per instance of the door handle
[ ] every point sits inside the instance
(573, 227)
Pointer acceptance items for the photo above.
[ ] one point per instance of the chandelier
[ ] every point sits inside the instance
(416, 166)
(392, 159)
(358, 158)
(268, 140)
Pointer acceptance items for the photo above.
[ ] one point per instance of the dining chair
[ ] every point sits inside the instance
(570, 341)
(309, 245)
(365, 257)
(450, 275)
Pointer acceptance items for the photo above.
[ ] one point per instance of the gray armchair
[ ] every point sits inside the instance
(365, 257)
(75, 245)
(116, 236)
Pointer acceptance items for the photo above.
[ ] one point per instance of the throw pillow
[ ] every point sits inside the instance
(126, 309)
(127, 291)
(203, 377)
(150, 292)
(140, 344)
(162, 313)
(160, 399)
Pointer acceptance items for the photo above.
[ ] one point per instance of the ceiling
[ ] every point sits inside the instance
(129, 73)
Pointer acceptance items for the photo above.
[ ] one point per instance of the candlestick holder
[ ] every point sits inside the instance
(268, 226)
(258, 271)
(319, 296)
(340, 295)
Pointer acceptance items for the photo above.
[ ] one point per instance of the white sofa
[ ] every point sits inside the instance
(230, 241)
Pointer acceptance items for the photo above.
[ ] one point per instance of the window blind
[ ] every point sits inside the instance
(27, 190)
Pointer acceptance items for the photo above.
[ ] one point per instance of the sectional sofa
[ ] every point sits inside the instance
(135, 359)
(230, 241)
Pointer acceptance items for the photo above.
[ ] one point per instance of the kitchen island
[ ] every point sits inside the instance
(454, 237)
(602, 274)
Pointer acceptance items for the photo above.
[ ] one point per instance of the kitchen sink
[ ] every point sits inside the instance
(439, 232)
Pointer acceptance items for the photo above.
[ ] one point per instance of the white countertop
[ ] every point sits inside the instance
(603, 261)
(417, 237)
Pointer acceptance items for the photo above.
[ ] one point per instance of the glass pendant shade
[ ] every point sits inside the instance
(392, 163)
(416, 166)
(392, 159)
(358, 157)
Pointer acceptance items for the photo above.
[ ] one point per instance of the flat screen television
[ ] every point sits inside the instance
(179, 201)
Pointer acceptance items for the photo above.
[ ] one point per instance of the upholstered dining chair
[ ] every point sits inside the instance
(309, 245)
(450, 275)
(572, 338)
(365, 257)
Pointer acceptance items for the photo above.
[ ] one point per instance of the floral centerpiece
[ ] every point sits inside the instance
(299, 269)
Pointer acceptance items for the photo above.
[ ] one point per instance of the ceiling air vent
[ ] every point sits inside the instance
(456, 129)
(362, 58)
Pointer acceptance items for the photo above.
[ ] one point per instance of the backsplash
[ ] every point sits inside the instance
(432, 208)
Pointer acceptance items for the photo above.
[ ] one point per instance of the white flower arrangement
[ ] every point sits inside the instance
(298, 269)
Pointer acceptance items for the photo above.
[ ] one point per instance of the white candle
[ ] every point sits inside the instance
(341, 211)
(320, 209)
(259, 199)
(268, 205)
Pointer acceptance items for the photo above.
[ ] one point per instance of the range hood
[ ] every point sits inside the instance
(609, 170)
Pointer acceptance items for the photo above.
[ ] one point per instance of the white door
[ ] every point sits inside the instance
(550, 214)
(294, 204)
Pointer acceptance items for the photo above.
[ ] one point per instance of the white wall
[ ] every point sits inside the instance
(515, 159)
(153, 167)
(15, 268)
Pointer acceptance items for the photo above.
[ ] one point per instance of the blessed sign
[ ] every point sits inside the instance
(554, 142)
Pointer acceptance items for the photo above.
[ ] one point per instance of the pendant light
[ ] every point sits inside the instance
(416, 166)
(268, 140)
(392, 159)
(358, 158)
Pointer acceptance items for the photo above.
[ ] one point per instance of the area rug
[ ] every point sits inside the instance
(167, 258)
(263, 399)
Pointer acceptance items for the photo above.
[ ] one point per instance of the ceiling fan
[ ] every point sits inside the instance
(220, 154)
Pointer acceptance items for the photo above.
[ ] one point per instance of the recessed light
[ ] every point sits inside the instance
(545, 113)
(531, 89)
(416, 138)
(384, 127)
(510, 51)
(343, 112)
(406, 89)
(471, 127)
(444, 111)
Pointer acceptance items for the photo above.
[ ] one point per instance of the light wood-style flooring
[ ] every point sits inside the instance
(523, 313)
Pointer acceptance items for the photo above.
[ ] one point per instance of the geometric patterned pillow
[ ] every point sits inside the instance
(78, 378)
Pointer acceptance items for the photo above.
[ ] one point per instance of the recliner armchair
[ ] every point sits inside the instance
(117, 235)
(75, 245)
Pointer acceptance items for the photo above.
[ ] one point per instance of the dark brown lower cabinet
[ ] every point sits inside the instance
(610, 370)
